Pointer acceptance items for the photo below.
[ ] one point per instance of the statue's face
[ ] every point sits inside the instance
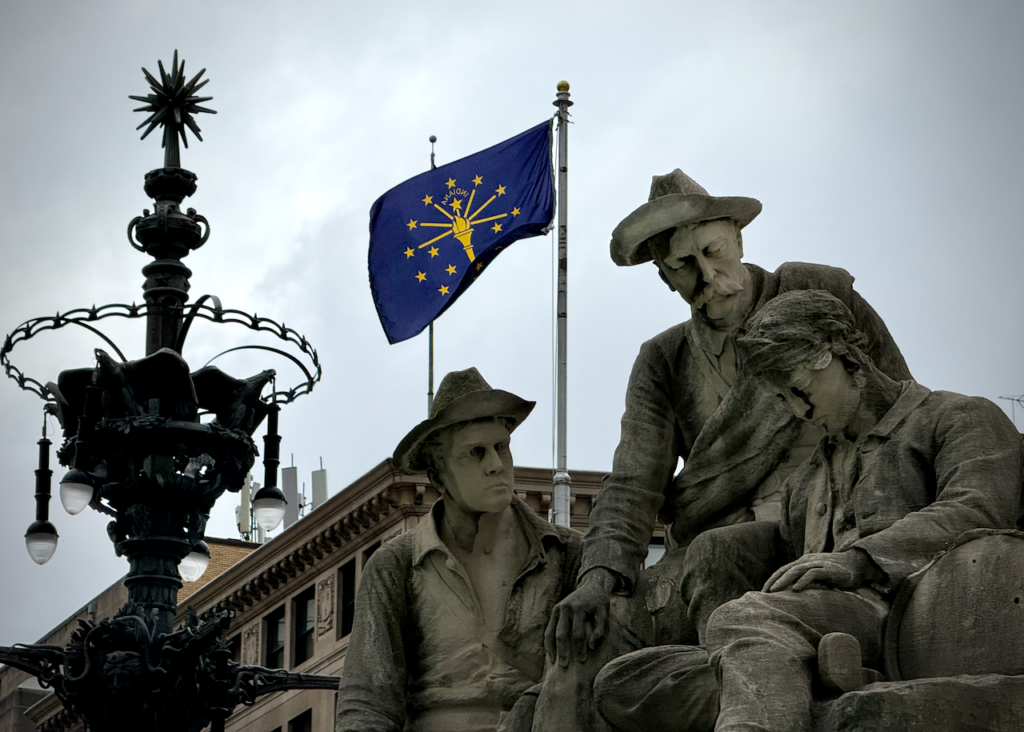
(477, 470)
(826, 397)
(703, 264)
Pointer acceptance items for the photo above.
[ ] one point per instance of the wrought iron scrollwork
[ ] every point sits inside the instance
(214, 313)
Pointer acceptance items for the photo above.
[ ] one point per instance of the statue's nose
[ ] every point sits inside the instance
(707, 270)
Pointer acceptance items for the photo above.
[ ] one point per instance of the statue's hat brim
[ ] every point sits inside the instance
(676, 200)
(476, 401)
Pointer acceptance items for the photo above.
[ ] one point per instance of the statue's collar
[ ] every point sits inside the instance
(537, 531)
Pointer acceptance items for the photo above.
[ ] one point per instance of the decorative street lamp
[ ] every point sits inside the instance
(140, 451)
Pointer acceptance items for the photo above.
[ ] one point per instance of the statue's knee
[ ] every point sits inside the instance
(736, 613)
(702, 551)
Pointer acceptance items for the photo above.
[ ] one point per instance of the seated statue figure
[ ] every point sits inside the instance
(449, 619)
(686, 399)
(901, 473)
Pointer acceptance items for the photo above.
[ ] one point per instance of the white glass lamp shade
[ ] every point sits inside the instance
(268, 507)
(41, 541)
(76, 491)
(191, 568)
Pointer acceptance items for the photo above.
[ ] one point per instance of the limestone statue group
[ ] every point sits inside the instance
(843, 549)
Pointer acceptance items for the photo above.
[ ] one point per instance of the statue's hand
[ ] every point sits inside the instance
(842, 570)
(578, 622)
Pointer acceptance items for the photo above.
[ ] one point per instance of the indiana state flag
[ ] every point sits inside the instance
(432, 236)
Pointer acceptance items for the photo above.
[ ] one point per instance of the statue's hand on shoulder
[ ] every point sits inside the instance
(842, 570)
(578, 622)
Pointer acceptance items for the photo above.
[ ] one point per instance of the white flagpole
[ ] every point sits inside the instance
(561, 489)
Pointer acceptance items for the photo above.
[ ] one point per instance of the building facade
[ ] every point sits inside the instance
(292, 599)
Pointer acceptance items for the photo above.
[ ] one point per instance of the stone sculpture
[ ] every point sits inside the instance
(449, 620)
(686, 400)
(901, 473)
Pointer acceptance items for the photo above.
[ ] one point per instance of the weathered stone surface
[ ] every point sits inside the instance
(963, 614)
(988, 703)
(449, 620)
(686, 400)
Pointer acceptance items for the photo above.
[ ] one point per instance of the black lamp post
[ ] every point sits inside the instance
(138, 450)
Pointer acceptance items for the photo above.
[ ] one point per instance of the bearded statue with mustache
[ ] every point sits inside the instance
(688, 398)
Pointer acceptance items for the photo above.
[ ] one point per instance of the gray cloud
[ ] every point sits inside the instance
(880, 137)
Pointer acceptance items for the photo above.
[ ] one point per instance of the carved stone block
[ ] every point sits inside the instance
(251, 645)
(324, 605)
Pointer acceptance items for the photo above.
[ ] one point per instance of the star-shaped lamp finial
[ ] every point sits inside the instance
(172, 104)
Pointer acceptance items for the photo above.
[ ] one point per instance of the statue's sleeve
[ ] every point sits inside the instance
(624, 512)
(372, 692)
(881, 347)
(978, 472)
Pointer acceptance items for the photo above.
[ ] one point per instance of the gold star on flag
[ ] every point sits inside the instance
(456, 204)
(444, 289)
(427, 200)
(420, 277)
(496, 228)
(479, 266)
(515, 211)
(500, 190)
(450, 183)
(411, 224)
(451, 269)
(478, 180)
(433, 251)
(409, 253)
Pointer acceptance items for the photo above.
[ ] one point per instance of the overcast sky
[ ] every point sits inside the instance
(882, 137)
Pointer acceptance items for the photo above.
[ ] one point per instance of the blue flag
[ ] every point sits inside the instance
(432, 236)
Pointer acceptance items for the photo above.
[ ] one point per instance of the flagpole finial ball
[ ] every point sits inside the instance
(433, 138)
(563, 86)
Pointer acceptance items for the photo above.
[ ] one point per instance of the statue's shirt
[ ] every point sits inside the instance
(831, 524)
(420, 658)
(936, 465)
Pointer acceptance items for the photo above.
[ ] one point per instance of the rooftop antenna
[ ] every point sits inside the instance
(1014, 401)
(319, 479)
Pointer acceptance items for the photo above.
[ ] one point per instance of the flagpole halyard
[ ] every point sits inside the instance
(561, 489)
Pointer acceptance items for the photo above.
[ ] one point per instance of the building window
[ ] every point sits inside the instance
(235, 646)
(302, 723)
(273, 651)
(368, 552)
(303, 625)
(655, 551)
(346, 597)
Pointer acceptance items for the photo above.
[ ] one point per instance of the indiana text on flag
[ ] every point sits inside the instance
(433, 235)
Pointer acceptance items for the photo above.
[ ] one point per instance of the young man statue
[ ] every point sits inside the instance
(900, 474)
(450, 617)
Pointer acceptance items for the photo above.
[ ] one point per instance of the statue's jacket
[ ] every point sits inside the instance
(936, 465)
(730, 439)
(418, 648)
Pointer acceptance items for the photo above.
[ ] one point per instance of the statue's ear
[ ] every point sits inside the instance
(661, 273)
(821, 361)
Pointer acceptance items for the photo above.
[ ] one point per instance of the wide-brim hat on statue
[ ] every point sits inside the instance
(676, 199)
(462, 396)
